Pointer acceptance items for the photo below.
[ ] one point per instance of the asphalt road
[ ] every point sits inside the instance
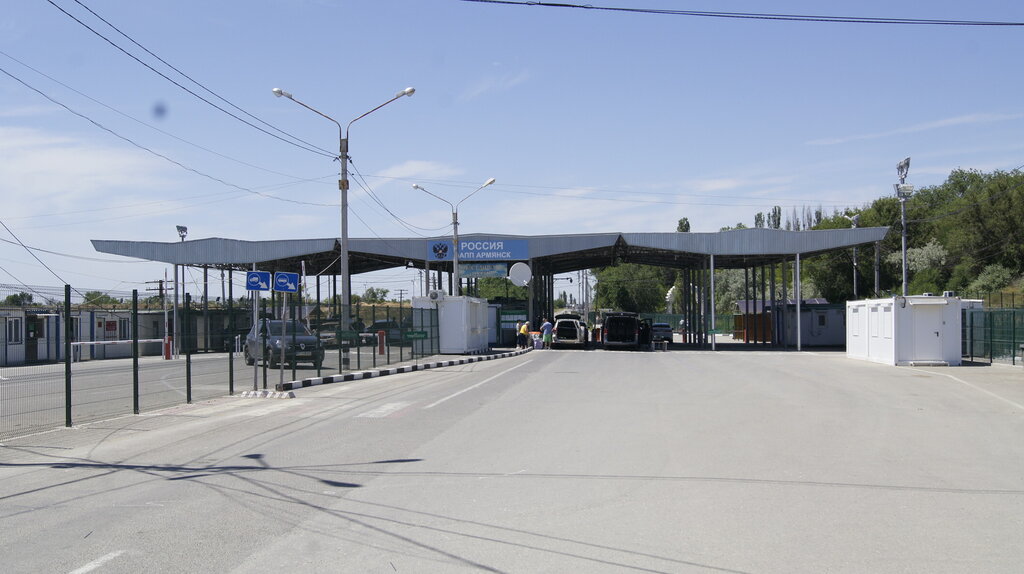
(554, 461)
(33, 396)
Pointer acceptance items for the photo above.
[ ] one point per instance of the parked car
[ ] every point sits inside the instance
(568, 330)
(392, 330)
(621, 330)
(661, 332)
(299, 344)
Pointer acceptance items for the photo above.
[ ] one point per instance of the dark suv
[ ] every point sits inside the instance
(621, 330)
(300, 346)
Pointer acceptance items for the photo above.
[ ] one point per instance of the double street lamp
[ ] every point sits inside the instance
(346, 295)
(455, 229)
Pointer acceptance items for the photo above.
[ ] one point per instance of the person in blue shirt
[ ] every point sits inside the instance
(545, 332)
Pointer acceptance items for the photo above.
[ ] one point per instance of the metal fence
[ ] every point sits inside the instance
(996, 300)
(993, 334)
(82, 357)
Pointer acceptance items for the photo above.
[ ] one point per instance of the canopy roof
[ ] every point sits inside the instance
(736, 248)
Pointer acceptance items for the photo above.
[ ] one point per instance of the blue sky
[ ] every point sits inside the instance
(591, 121)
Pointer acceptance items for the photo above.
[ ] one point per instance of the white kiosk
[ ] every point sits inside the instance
(905, 331)
(462, 322)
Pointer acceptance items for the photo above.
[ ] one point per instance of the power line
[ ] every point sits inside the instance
(303, 145)
(158, 154)
(136, 120)
(369, 191)
(761, 16)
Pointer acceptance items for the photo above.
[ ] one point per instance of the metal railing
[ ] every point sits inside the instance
(65, 361)
(992, 334)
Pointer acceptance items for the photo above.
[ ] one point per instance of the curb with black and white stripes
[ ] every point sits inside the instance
(283, 391)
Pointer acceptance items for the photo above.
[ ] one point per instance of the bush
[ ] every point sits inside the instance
(992, 278)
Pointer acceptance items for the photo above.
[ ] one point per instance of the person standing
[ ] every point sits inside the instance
(545, 331)
(524, 334)
(519, 338)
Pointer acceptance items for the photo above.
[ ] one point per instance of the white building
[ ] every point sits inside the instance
(914, 330)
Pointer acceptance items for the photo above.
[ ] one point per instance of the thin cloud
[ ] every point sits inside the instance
(927, 126)
(420, 169)
(27, 111)
(495, 83)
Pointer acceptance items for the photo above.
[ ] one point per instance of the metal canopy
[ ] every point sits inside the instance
(738, 248)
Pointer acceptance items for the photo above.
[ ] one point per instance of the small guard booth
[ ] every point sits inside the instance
(905, 331)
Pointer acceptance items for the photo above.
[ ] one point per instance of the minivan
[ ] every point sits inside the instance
(621, 330)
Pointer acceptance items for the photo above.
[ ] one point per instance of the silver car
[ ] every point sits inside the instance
(299, 345)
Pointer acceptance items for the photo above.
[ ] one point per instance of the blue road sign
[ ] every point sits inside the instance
(257, 280)
(286, 282)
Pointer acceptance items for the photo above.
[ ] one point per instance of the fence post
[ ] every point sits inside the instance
(991, 339)
(319, 320)
(263, 328)
(295, 323)
(135, 351)
(188, 348)
(67, 355)
(1013, 337)
(233, 328)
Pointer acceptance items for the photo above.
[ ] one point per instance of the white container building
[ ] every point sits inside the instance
(905, 331)
(462, 322)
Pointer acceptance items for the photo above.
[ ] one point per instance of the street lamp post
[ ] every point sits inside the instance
(455, 229)
(182, 232)
(904, 191)
(346, 297)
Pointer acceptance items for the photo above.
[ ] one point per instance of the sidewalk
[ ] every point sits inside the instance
(418, 364)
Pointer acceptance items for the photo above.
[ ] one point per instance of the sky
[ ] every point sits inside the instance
(591, 121)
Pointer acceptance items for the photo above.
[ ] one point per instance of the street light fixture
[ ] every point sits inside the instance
(346, 296)
(455, 229)
(903, 192)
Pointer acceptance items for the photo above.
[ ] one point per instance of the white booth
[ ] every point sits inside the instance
(904, 331)
(462, 322)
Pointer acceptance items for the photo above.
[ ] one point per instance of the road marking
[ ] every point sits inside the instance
(97, 562)
(973, 386)
(467, 389)
(383, 410)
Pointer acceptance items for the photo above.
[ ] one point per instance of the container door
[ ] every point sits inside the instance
(928, 333)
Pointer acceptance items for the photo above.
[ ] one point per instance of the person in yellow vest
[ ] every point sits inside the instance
(524, 335)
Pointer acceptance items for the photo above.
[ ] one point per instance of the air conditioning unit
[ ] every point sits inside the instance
(435, 295)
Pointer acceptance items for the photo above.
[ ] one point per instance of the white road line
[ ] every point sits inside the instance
(973, 386)
(98, 562)
(383, 410)
(452, 396)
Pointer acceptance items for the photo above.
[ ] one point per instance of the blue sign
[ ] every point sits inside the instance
(480, 250)
(286, 282)
(476, 270)
(257, 280)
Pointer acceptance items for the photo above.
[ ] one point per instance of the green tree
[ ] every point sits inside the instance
(631, 287)
(993, 278)
(492, 288)
(100, 299)
(375, 295)
(683, 226)
(18, 300)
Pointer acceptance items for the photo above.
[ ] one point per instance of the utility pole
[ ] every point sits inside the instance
(401, 295)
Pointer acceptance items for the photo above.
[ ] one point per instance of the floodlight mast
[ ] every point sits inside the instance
(903, 192)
